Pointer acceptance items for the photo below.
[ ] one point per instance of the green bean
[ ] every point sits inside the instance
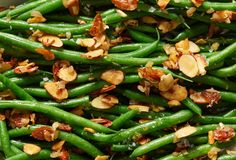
(206, 5)
(140, 37)
(70, 103)
(198, 140)
(118, 122)
(145, 28)
(227, 157)
(193, 153)
(192, 106)
(225, 72)
(24, 8)
(135, 61)
(156, 100)
(43, 9)
(228, 96)
(4, 13)
(215, 119)
(231, 113)
(190, 33)
(5, 140)
(123, 148)
(131, 78)
(54, 113)
(228, 51)
(19, 92)
(43, 154)
(215, 81)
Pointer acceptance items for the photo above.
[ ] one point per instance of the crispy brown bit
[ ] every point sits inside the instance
(5, 66)
(98, 28)
(7, 95)
(19, 118)
(177, 92)
(182, 145)
(47, 54)
(78, 111)
(64, 155)
(44, 134)
(104, 101)
(222, 16)
(197, 3)
(105, 122)
(58, 146)
(143, 140)
(131, 22)
(65, 127)
(37, 17)
(113, 76)
(31, 149)
(224, 133)
(50, 40)
(28, 68)
(150, 74)
(162, 3)
(208, 96)
(73, 6)
(107, 88)
(213, 30)
(127, 5)
(57, 90)
(2, 117)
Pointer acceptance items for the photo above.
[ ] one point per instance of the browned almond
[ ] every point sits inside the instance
(202, 64)
(222, 16)
(28, 68)
(211, 139)
(162, 3)
(98, 28)
(47, 54)
(188, 65)
(37, 17)
(58, 146)
(191, 11)
(50, 40)
(44, 133)
(126, 5)
(212, 154)
(31, 149)
(174, 103)
(112, 76)
(177, 92)
(57, 90)
(141, 108)
(166, 82)
(95, 54)
(197, 3)
(67, 74)
(104, 101)
(87, 42)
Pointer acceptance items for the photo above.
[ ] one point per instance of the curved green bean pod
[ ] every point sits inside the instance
(228, 96)
(55, 113)
(227, 157)
(140, 37)
(231, 113)
(215, 119)
(225, 72)
(192, 106)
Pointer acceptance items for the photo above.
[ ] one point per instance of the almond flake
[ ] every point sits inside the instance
(126, 5)
(166, 26)
(73, 6)
(166, 82)
(31, 149)
(185, 132)
(49, 40)
(28, 68)
(211, 139)
(103, 121)
(44, 133)
(58, 146)
(67, 74)
(214, 46)
(57, 90)
(141, 108)
(174, 103)
(87, 42)
(191, 11)
(37, 17)
(188, 65)
(98, 28)
(104, 157)
(47, 54)
(104, 101)
(197, 3)
(112, 76)
(95, 54)
(177, 92)
(222, 16)
(202, 64)
(121, 13)
(87, 129)
(162, 3)
(212, 154)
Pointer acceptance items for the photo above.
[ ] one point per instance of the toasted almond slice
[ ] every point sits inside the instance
(104, 101)
(191, 11)
(67, 74)
(112, 76)
(121, 13)
(211, 139)
(193, 48)
(87, 129)
(47, 54)
(202, 63)
(166, 82)
(31, 149)
(126, 5)
(49, 40)
(215, 46)
(148, 20)
(58, 146)
(162, 3)
(188, 65)
(197, 3)
(212, 154)
(87, 42)
(28, 68)
(141, 108)
(185, 131)
(104, 157)
(183, 46)
(174, 103)
(37, 17)
(177, 92)
(57, 90)
(95, 54)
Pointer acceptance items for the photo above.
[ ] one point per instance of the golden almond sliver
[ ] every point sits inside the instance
(56, 90)
(67, 74)
(166, 82)
(177, 92)
(141, 108)
(104, 101)
(112, 76)
(87, 42)
(31, 149)
(104, 157)
(185, 132)
(49, 40)
(188, 65)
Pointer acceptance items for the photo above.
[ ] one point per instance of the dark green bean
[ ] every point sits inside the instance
(54, 113)
(43, 154)
(231, 113)
(192, 106)
(228, 96)
(140, 37)
(215, 119)
(225, 72)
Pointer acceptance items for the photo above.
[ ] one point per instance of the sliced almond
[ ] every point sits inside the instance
(58, 146)
(166, 26)
(141, 108)
(222, 16)
(193, 48)
(148, 20)
(28, 68)
(121, 13)
(49, 40)
(174, 103)
(212, 154)
(112, 76)
(126, 5)
(31, 149)
(67, 74)
(215, 46)
(73, 6)
(177, 92)
(191, 11)
(87, 42)
(197, 3)
(202, 64)
(47, 54)
(185, 132)
(104, 101)
(188, 65)
(87, 129)
(211, 139)
(37, 17)
(162, 3)
(57, 90)
(104, 157)
(95, 54)
(166, 82)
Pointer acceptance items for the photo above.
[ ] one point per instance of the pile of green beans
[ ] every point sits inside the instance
(143, 124)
